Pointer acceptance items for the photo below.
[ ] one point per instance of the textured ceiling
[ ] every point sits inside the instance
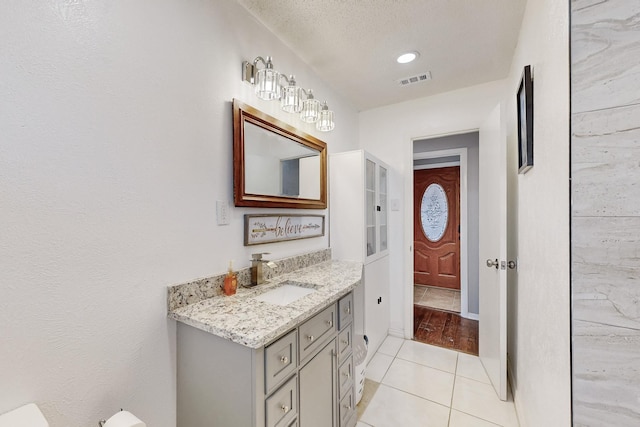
(352, 44)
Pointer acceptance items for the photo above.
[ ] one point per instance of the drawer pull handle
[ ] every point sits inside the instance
(329, 323)
(284, 360)
(311, 337)
(285, 408)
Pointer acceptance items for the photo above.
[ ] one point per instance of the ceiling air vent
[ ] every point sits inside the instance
(418, 78)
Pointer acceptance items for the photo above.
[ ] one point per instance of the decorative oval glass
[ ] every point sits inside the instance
(434, 212)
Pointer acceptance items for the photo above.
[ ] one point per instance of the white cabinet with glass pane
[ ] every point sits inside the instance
(358, 218)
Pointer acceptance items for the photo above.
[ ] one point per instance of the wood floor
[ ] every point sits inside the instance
(445, 329)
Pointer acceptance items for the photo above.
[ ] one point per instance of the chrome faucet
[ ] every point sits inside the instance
(257, 268)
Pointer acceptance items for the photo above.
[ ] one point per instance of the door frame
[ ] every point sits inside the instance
(464, 270)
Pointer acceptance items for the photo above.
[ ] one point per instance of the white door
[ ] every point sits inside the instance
(493, 251)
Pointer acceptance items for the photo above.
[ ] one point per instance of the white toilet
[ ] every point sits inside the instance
(25, 416)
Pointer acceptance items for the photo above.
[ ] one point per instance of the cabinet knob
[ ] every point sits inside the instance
(310, 337)
(345, 342)
(348, 310)
(330, 323)
(284, 360)
(346, 374)
(347, 407)
(285, 408)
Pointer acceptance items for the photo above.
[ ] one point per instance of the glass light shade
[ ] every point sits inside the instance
(268, 84)
(310, 110)
(291, 97)
(325, 121)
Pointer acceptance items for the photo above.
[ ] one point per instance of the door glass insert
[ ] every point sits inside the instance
(434, 212)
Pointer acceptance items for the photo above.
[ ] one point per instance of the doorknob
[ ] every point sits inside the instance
(512, 264)
(492, 263)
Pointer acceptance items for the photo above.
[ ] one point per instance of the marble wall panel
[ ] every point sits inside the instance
(605, 162)
(605, 49)
(605, 223)
(606, 374)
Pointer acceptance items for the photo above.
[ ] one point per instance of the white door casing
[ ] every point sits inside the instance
(493, 248)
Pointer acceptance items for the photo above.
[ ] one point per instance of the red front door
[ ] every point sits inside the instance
(436, 225)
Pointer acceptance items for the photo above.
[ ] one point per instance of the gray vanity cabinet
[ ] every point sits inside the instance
(318, 389)
(303, 378)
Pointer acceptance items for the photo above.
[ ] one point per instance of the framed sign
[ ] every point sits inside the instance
(524, 101)
(269, 228)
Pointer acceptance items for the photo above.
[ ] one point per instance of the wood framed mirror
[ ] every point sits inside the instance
(274, 164)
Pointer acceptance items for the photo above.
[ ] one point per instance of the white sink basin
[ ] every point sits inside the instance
(284, 295)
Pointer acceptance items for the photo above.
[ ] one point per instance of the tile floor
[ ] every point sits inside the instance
(442, 299)
(425, 386)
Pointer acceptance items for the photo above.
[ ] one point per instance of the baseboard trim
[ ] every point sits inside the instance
(511, 378)
(399, 333)
(471, 316)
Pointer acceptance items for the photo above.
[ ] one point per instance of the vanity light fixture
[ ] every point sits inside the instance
(293, 98)
(325, 122)
(267, 80)
(310, 109)
(291, 101)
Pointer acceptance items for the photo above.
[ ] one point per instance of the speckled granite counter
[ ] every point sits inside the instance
(244, 320)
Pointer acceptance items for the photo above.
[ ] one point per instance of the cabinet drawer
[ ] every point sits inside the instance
(345, 310)
(345, 343)
(280, 360)
(345, 377)
(282, 406)
(347, 408)
(314, 331)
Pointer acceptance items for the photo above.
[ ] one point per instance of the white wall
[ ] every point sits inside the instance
(388, 133)
(539, 303)
(115, 143)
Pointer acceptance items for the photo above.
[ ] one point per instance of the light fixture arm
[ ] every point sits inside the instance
(249, 69)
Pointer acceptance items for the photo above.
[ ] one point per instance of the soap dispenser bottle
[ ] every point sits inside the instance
(230, 281)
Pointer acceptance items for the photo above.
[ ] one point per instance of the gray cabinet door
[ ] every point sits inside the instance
(318, 389)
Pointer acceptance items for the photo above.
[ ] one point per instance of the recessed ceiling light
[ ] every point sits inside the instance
(407, 57)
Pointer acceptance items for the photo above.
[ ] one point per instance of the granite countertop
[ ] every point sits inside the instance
(244, 320)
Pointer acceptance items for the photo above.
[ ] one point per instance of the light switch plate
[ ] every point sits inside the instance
(222, 212)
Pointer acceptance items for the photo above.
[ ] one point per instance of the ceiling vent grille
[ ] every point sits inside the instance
(418, 78)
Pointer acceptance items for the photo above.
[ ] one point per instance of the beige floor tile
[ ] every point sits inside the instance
(456, 302)
(480, 400)
(438, 298)
(422, 381)
(460, 419)
(394, 408)
(470, 367)
(390, 345)
(428, 355)
(378, 366)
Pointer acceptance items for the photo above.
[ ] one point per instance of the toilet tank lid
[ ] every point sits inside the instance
(25, 416)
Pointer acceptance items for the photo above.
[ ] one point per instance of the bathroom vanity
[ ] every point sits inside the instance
(264, 358)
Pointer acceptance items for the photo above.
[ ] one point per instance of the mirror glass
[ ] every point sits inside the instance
(276, 165)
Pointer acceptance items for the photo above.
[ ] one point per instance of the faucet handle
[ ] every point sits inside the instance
(258, 256)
